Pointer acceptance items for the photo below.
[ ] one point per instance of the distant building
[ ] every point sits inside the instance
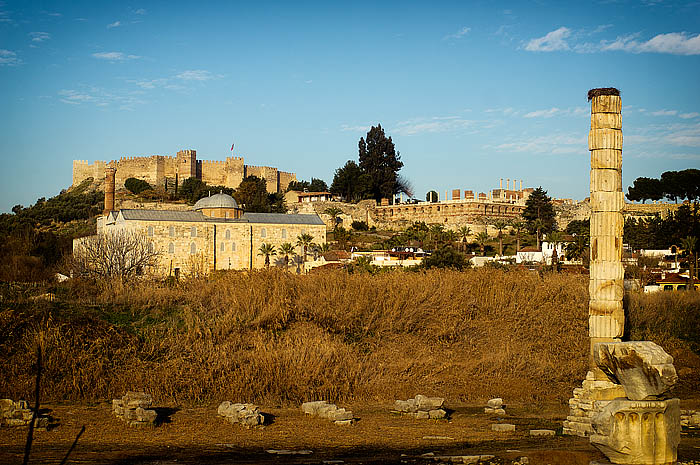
(215, 235)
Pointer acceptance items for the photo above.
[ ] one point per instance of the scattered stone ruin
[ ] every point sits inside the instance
(690, 419)
(422, 407)
(133, 408)
(332, 412)
(18, 413)
(495, 407)
(643, 427)
(247, 415)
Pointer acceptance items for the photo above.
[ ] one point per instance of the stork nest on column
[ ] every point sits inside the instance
(602, 91)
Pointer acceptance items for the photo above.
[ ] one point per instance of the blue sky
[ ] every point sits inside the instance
(469, 91)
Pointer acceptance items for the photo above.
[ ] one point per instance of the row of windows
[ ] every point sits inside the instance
(193, 247)
(193, 232)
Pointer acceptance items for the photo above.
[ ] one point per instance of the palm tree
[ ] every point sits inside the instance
(343, 236)
(576, 250)
(286, 250)
(689, 244)
(500, 225)
(464, 232)
(517, 228)
(334, 212)
(482, 238)
(304, 241)
(435, 231)
(266, 250)
(555, 238)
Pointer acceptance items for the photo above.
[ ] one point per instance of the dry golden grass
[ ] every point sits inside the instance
(275, 337)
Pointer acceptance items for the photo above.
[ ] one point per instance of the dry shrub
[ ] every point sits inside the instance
(275, 337)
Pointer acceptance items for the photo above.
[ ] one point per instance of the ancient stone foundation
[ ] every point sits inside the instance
(495, 407)
(422, 407)
(588, 400)
(133, 408)
(331, 412)
(247, 415)
(18, 413)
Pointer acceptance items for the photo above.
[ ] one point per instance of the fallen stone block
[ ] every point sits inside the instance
(502, 427)
(311, 408)
(495, 403)
(494, 411)
(643, 368)
(437, 414)
(428, 403)
(422, 415)
(638, 431)
(247, 415)
(542, 432)
(137, 399)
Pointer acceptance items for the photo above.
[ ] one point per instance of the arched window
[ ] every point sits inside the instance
(150, 231)
(284, 233)
(193, 232)
(223, 247)
(233, 246)
(228, 234)
(150, 247)
(193, 248)
(171, 248)
(171, 231)
(263, 232)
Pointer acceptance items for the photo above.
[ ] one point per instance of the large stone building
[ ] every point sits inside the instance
(159, 170)
(215, 235)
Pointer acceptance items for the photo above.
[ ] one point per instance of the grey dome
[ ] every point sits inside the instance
(220, 200)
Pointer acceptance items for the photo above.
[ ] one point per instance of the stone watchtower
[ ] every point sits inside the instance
(186, 165)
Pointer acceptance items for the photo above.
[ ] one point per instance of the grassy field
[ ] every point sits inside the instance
(277, 338)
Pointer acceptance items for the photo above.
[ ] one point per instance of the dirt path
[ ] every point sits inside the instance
(197, 435)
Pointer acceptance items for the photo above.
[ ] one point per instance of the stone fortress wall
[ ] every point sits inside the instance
(165, 171)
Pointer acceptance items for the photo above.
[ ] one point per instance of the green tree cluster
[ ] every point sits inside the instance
(316, 185)
(136, 186)
(251, 194)
(376, 175)
(673, 185)
(539, 214)
(660, 233)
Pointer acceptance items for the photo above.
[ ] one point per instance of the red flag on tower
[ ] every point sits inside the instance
(232, 147)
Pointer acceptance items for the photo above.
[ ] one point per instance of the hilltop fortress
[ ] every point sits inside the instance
(166, 171)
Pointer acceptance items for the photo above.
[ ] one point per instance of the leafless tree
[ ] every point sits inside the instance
(115, 254)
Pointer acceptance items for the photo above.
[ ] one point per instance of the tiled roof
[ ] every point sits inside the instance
(283, 218)
(192, 216)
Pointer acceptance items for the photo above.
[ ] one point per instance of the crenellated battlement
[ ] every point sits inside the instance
(159, 170)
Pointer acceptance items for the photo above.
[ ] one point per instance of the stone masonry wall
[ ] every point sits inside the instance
(156, 169)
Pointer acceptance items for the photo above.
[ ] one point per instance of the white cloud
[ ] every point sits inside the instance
(114, 56)
(39, 36)
(663, 113)
(101, 98)
(346, 127)
(510, 111)
(114, 24)
(684, 135)
(551, 42)
(140, 11)
(542, 113)
(457, 35)
(431, 125)
(555, 144)
(694, 114)
(9, 58)
(197, 75)
(674, 43)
